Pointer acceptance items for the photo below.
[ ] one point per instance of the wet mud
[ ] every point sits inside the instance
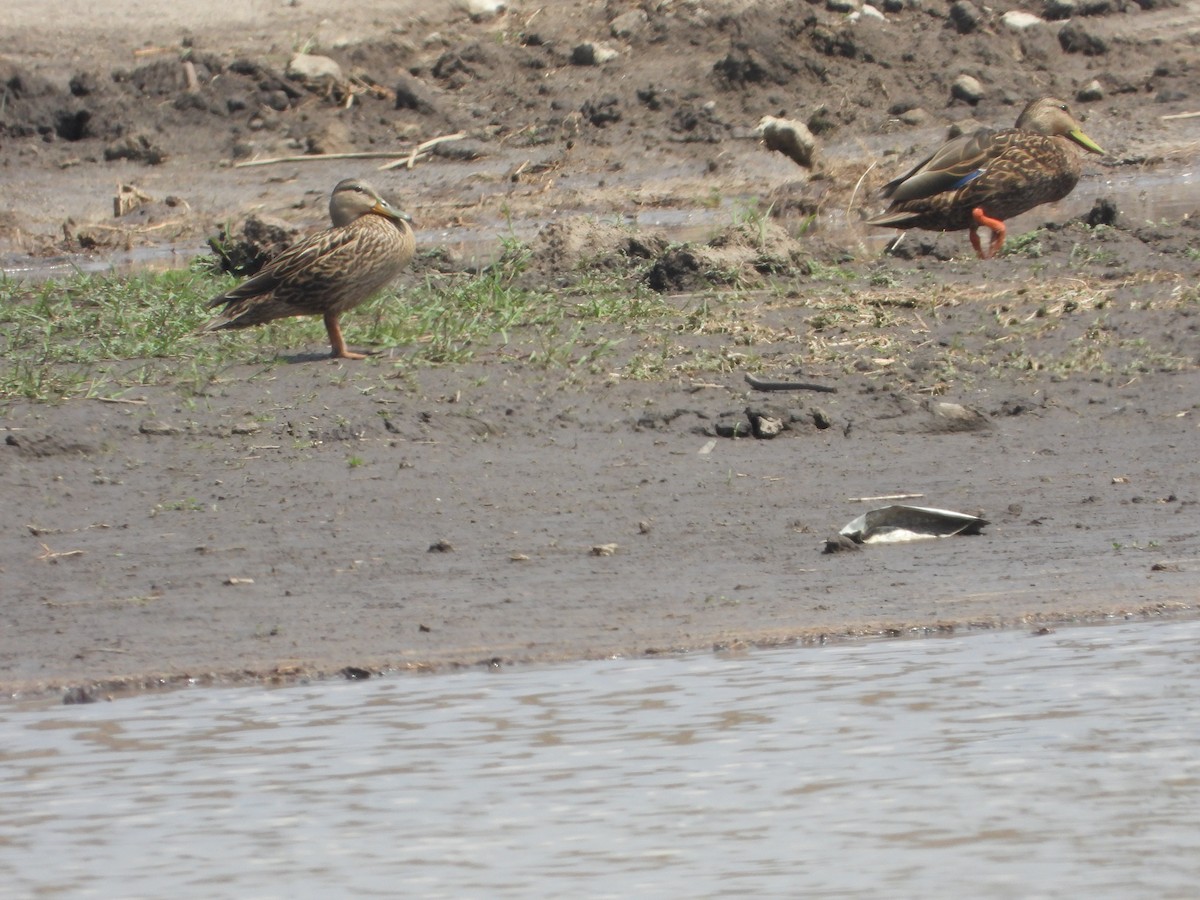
(301, 520)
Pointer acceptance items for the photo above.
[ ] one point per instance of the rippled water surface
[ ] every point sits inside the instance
(989, 765)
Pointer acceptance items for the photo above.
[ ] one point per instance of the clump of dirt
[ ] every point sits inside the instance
(245, 247)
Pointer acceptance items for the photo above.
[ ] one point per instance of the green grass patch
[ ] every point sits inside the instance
(98, 335)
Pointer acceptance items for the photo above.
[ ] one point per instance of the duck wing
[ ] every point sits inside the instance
(307, 261)
(955, 164)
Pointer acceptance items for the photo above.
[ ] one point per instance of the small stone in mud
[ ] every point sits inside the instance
(790, 137)
(604, 550)
(1074, 38)
(354, 673)
(480, 10)
(821, 418)
(968, 89)
(731, 429)
(767, 421)
(629, 24)
(247, 428)
(838, 542)
(1091, 92)
(592, 54)
(135, 148)
(441, 546)
(78, 695)
(315, 70)
(1016, 20)
(154, 427)
(966, 16)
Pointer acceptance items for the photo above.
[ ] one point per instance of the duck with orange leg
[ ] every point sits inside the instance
(328, 273)
(978, 180)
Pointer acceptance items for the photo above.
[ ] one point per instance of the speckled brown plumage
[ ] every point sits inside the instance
(329, 273)
(983, 178)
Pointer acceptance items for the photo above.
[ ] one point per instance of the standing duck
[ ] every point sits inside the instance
(330, 272)
(981, 179)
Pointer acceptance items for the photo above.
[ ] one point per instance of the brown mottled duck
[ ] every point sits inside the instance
(330, 272)
(981, 179)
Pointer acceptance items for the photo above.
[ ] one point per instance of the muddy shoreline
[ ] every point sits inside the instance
(296, 518)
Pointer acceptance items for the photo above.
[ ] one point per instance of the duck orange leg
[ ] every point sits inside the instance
(997, 228)
(336, 341)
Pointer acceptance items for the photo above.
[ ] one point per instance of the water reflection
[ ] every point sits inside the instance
(997, 765)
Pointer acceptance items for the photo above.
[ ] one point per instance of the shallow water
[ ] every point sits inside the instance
(990, 765)
(1141, 195)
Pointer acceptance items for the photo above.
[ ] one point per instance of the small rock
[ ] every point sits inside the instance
(313, 69)
(1090, 92)
(247, 428)
(789, 137)
(411, 93)
(767, 427)
(843, 6)
(75, 695)
(836, 543)
(441, 546)
(872, 12)
(968, 89)
(136, 148)
(629, 25)
(604, 550)
(155, 428)
(355, 673)
(916, 118)
(966, 16)
(1056, 10)
(480, 10)
(1074, 38)
(956, 417)
(592, 54)
(731, 429)
(1019, 21)
(767, 422)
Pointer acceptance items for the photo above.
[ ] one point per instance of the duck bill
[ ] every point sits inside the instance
(1084, 141)
(385, 209)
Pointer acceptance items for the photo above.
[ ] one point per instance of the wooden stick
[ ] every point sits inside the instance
(313, 157)
(1191, 115)
(761, 385)
(369, 154)
(411, 160)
